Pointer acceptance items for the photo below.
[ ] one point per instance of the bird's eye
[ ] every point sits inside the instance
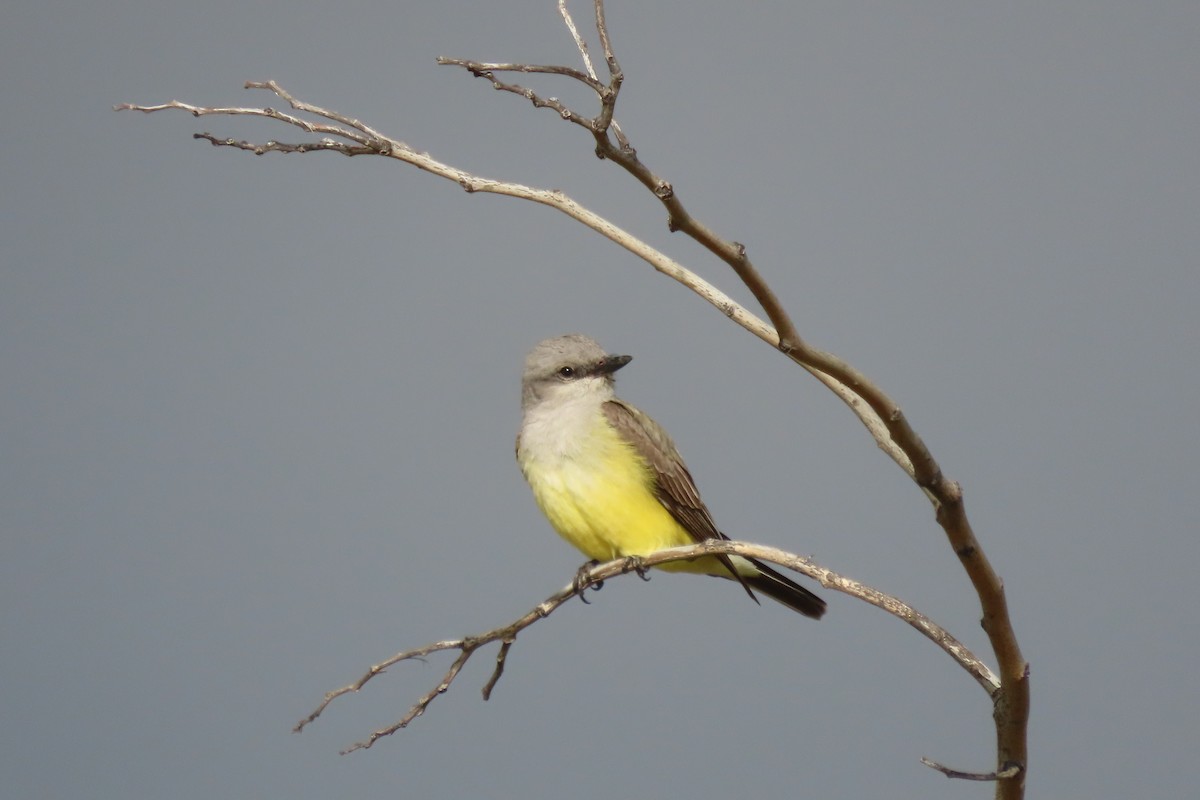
(566, 372)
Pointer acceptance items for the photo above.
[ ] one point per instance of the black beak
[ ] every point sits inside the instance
(610, 364)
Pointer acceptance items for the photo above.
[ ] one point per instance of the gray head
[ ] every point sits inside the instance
(568, 367)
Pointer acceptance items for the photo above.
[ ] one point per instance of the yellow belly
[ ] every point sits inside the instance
(604, 504)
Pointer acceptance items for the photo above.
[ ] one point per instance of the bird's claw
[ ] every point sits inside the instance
(636, 564)
(584, 581)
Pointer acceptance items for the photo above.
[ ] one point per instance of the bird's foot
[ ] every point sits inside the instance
(636, 564)
(584, 581)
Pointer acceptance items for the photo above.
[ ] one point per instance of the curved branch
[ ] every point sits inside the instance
(594, 575)
(373, 143)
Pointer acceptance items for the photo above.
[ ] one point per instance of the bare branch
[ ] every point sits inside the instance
(501, 658)
(282, 147)
(392, 148)
(592, 575)
(484, 69)
(978, 670)
(268, 113)
(580, 44)
(614, 69)
(300, 105)
(1010, 771)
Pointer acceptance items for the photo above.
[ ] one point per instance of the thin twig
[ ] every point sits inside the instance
(301, 105)
(501, 659)
(269, 113)
(485, 69)
(1010, 771)
(283, 147)
(580, 43)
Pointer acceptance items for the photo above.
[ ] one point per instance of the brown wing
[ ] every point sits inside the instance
(674, 485)
(677, 492)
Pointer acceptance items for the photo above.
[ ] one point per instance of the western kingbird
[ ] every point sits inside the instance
(609, 479)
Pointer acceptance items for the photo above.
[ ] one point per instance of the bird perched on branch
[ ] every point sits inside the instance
(608, 477)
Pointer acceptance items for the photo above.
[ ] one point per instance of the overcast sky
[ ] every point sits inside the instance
(257, 414)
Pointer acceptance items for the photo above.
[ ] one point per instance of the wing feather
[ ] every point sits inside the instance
(674, 486)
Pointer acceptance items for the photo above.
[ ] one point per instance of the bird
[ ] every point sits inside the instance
(609, 479)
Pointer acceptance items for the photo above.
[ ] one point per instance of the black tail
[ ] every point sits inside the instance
(784, 590)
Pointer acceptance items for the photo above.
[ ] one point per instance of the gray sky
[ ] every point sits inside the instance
(258, 413)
